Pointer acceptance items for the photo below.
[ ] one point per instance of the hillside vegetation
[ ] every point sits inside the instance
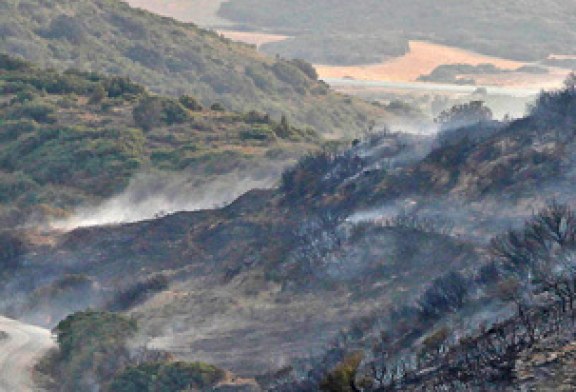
(175, 59)
(94, 350)
(332, 262)
(518, 29)
(75, 137)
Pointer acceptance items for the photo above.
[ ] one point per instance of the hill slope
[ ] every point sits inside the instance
(360, 241)
(72, 138)
(173, 58)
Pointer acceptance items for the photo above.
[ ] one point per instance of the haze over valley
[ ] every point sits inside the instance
(260, 195)
(520, 73)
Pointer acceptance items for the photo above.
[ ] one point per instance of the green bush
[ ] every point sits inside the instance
(343, 377)
(261, 132)
(119, 86)
(155, 111)
(167, 377)
(138, 292)
(92, 347)
(9, 63)
(217, 107)
(14, 87)
(38, 111)
(24, 95)
(98, 161)
(305, 67)
(66, 27)
(283, 130)
(261, 77)
(56, 83)
(98, 95)
(289, 73)
(255, 117)
(11, 130)
(190, 103)
(146, 56)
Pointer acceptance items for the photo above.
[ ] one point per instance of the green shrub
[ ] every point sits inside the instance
(283, 130)
(14, 87)
(342, 377)
(86, 75)
(38, 111)
(67, 102)
(9, 63)
(92, 347)
(174, 112)
(98, 161)
(138, 292)
(255, 117)
(146, 56)
(11, 130)
(66, 27)
(291, 74)
(119, 86)
(217, 107)
(24, 95)
(155, 111)
(261, 132)
(261, 77)
(190, 103)
(167, 377)
(98, 95)
(56, 83)
(307, 68)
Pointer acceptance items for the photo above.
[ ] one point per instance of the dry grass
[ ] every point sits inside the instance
(422, 59)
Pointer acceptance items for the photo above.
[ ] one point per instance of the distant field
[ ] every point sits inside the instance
(524, 30)
(422, 59)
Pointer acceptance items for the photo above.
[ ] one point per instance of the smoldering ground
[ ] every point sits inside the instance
(151, 195)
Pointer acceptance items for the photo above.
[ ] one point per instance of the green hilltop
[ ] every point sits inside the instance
(174, 58)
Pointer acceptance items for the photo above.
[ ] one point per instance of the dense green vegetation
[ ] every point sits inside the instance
(74, 136)
(174, 59)
(525, 30)
(167, 377)
(92, 347)
(94, 351)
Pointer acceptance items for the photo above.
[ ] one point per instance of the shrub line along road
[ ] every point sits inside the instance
(19, 351)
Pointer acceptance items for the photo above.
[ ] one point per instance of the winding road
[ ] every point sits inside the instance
(19, 351)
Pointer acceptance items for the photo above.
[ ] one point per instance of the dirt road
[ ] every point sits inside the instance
(19, 351)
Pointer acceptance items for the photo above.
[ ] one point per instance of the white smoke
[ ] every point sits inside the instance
(151, 195)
